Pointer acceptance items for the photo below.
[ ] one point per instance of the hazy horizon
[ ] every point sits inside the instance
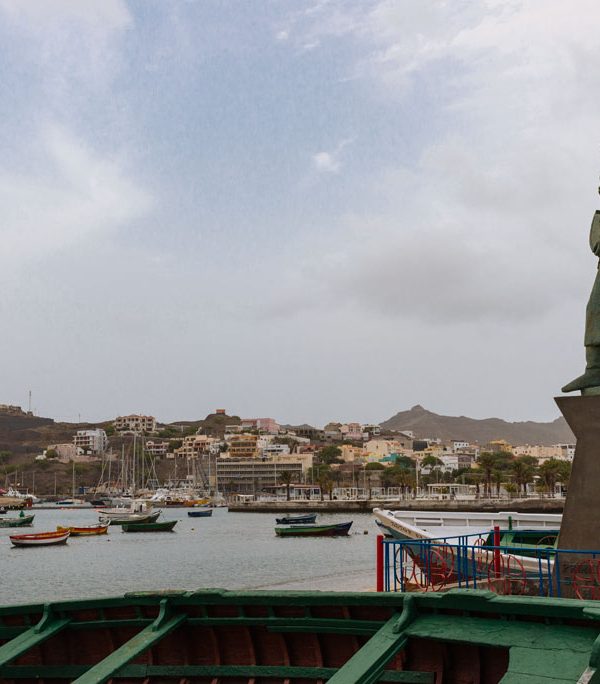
(311, 210)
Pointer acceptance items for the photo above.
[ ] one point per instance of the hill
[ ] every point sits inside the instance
(425, 423)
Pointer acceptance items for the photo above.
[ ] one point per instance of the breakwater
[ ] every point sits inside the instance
(365, 506)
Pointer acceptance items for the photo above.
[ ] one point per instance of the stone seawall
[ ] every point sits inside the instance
(483, 505)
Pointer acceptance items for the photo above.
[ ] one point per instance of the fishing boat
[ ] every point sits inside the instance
(297, 519)
(126, 518)
(20, 521)
(133, 507)
(201, 512)
(335, 530)
(39, 539)
(301, 637)
(163, 526)
(84, 530)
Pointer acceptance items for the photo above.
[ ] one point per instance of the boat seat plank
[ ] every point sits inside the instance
(556, 665)
(367, 664)
(47, 627)
(142, 641)
(505, 633)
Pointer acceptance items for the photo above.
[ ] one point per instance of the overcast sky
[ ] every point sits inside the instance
(310, 210)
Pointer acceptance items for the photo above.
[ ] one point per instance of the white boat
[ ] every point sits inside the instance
(431, 524)
(136, 507)
(40, 538)
(444, 529)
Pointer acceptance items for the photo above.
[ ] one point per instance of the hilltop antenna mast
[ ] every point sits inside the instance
(29, 406)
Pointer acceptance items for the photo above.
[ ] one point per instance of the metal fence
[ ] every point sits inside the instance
(469, 561)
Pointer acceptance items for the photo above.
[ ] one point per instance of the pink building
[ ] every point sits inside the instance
(268, 425)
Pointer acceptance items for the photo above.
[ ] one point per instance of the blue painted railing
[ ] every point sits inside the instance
(466, 561)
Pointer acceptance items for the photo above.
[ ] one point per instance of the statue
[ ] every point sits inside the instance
(589, 382)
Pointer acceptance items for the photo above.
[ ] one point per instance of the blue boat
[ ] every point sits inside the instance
(203, 512)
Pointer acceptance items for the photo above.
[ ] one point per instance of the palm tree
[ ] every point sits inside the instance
(487, 463)
(523, 470)
(286, 479)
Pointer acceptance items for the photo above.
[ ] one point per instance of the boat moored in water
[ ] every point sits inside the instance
(200, 512)
(334, 530)
(307, 519)
(163, 526)
(125, 518)
(84, 530)
(20, 521)
(39, 539)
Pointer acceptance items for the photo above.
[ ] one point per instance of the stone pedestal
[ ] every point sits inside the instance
(580, 528)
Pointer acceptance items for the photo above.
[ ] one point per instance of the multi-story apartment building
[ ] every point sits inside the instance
(243, 446)
(135, 423)
(246, 476)
(267, 425)
(91, 441)
(274, 450)
(352, 432)
(158, 449)
(544, 453)
(195, 446)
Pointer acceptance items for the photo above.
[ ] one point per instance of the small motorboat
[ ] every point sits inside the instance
(307, 519)
(20, 521)
(84, 530)
(39, 539)
(162, 526)
(200, 512)
(335, 530)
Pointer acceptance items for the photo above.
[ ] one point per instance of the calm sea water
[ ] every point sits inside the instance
(228, 550)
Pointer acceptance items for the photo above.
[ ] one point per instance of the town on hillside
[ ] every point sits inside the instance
(260, 459)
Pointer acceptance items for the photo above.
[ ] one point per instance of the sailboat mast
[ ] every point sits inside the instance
(133, 466)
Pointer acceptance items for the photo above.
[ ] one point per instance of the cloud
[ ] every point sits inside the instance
(489, 218)
(324, 161)
(75, 194)
(329, 162)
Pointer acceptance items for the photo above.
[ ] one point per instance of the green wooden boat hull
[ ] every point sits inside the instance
(302, 638)
(25, 521)
(163, 526)
(334, 530)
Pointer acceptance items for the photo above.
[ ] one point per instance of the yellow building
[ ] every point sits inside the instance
(243, 446)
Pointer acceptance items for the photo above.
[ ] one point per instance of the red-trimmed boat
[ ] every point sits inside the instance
(40, 539)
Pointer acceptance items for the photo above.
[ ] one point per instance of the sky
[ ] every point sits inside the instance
(311, 210)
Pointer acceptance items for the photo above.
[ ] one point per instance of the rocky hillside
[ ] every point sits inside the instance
(425, 423)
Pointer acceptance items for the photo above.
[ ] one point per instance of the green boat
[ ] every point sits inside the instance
(162, 526)
(214, 636)
(336, 530)
(22, 521)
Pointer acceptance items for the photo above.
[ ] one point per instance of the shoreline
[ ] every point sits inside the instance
(366, 506)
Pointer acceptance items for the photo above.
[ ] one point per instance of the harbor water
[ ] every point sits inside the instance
(227, 550)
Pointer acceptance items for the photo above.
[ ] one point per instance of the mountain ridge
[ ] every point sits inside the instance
(426, 423)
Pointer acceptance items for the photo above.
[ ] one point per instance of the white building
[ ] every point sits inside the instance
(275, 449)
(135, 423)
(458, 445)
(91, 441)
